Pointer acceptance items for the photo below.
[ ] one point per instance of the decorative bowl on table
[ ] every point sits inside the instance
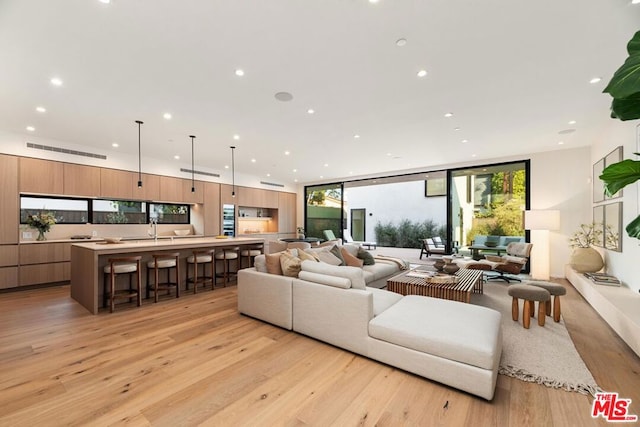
(112, 239)
(491, 244)
(181, 232)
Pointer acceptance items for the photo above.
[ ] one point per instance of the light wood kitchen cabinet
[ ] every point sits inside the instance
(225, 194)
(117, 184)
(211, 209)
(41, 176)
(80, 180)
(287, 213)
(9, 205)
(195, 197)
(8, 277)
(258, 198)
(8, 255)
(171, 189)
(44, 263)
(150, 190)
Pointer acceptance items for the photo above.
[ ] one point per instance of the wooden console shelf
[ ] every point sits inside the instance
(619, 306)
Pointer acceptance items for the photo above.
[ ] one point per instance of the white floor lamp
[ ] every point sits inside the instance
(540, 222)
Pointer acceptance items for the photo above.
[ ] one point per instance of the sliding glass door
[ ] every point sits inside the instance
(324, 210)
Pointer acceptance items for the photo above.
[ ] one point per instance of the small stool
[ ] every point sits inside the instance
(226, 255)
(530, 294)
(163, 261)
(250, 252)
(201, 257)
(124, 265)
(556, 291)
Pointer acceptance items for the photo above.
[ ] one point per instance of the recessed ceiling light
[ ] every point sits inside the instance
(635, 1)
(239, 72)
(321, 177)
(176, 157)
(236, 137)
(350, 172)
(56, 81)
(311, 111)
(374, 1)
(464, 141)
(41, 109)
(473, 155)
(226, 166)
(167, 116)
(105, 1)
(295, 170)
(286, 153)
(268, 174)
(560, 142)
(283, 96)
(253, 160)
(115, 145)
(295, 180)
(422, 73)
(401, 42)
(573, 122)
(356, 136)
(448, 114)
(388, 154)
(595, 80)
(456, 129)
(326, 165)
(30, 128)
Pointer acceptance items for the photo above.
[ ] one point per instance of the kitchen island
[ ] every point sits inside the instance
(89, 259)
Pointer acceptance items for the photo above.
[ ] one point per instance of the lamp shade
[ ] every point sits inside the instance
(542, 220)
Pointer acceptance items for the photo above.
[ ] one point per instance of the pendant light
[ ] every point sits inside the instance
(233, 173)
(193, 185)
(139, 157)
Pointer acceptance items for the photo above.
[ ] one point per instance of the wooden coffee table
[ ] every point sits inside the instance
(469, 281)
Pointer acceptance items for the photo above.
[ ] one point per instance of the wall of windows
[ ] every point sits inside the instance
(83, 211)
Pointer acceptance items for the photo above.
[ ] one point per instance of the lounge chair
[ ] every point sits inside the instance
(429, 248)
(348, 239)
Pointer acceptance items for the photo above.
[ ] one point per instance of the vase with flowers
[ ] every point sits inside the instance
(585, 259)
(42, 222)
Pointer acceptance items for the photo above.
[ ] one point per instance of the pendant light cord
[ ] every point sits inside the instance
(139, 156)
(193, 183)
(233, 173)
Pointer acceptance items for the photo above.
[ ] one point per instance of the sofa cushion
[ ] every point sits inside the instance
(260, 263)
(351, 260)
(324, 279)
(335, 250)
(351, 248)
(352, 273)
(274, 246)
(304, 255)
(273, 263)
(381, 269)
(382, 299)
(365, 256)
(290, 264)
(328, 258)
(449, 329)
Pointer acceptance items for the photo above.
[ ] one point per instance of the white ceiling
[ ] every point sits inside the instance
(514, 73)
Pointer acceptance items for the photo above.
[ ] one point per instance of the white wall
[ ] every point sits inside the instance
(625, 264)
(394, 202)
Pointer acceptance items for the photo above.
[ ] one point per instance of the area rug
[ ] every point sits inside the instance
(544, 355)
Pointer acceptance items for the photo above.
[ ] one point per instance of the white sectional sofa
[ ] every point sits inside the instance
(450, 342)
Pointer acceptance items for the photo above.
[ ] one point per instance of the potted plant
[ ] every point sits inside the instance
(585, 259)
(624, 87)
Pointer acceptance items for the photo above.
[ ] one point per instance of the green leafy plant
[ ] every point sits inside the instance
(624, 87)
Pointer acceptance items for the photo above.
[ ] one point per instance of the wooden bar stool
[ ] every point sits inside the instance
(122, 265)
(163, 261)
(201, 257)
(250, 252)
(226, 255)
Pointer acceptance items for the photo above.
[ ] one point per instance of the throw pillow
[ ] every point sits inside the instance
(304, 255)
(329, 258)
(260, 263)
(330, 243)
(273, 263)
(351, 248)
(350, 259)
(335, 250)
(290, 264)
(366, 257)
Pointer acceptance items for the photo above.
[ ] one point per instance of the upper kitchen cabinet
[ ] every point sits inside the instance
(226, 197)
(80, 180)
(197, 196)
(150, 189)
(41, 176)
(258, 198)
(9, 208)
(117, 184)
(286, 212)
(171, 189)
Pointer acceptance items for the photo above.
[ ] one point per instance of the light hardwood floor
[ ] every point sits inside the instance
(196, 361)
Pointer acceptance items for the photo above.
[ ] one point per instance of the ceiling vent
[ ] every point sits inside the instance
(217, 175)
(273, 184)
(66, 151)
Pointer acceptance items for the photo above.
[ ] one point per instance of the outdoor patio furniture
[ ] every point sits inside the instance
(429, 248)
(348, 239)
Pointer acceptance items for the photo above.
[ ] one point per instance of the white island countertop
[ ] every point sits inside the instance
(145, 245)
